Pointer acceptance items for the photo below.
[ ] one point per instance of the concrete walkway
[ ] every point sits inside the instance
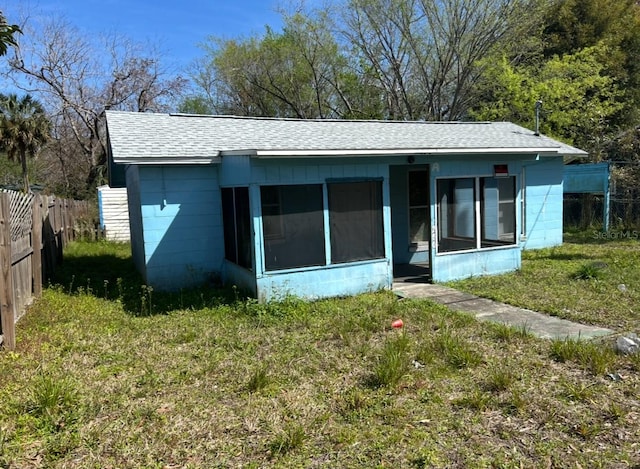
(541, 325)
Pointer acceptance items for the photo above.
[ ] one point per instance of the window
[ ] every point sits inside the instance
(498, 211)
(461, 211)
(356, 224)
(293, 223)
(419, 232)
(237, 225)
(293, 226)
(456, 214)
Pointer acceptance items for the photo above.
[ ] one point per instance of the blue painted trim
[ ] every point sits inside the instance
(100, 209)
(353, 179)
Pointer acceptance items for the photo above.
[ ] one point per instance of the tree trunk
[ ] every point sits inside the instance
(25, 174)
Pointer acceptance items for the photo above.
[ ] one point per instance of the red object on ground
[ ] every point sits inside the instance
(397, 324)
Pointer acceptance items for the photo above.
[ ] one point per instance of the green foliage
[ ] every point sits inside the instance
(456, 351)
(24, 128)
(258, 380)
(8, 34)
(500, 378)
(52, 401)
(572, 25)
(579, 96)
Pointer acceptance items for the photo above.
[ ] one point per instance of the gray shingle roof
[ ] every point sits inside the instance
(176, 138)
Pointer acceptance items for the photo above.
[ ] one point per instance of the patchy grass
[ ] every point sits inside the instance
(206, 378)
(590, 280)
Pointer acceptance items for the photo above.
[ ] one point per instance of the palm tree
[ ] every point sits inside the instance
(24, 128)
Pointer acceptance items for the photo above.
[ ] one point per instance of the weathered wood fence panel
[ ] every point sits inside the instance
(33, 232)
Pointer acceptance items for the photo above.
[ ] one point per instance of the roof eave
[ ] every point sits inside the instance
(267, 154)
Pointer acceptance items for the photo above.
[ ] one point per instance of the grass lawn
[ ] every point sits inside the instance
(108, 373)
(588, 279)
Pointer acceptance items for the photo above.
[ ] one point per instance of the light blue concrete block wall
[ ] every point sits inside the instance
(544, 196)
(309, 282)
(181, 224)
(176, 211)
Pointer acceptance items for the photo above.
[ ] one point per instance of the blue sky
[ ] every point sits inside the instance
(176, 26)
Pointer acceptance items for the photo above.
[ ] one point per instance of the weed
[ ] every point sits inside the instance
(564, 350)
(500, 378)
(580, 391)
(614, 411)
(476, 400)
(52, 401)
(590, 271)
(354, 400)
(508, 333)
(258, 380)
(517, 403)
(592, 356)
(586, 429)
(291, 437)
(456, 351)
(596, 358)
(146, 307)
(393, 363)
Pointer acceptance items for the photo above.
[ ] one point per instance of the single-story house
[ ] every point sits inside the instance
(320, 208)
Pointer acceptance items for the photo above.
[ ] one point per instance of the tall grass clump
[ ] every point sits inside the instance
(52, 402)
(258, 380)
(291, 437)
(590, 271)
(455, 351)
(594, 357)
(393, 362)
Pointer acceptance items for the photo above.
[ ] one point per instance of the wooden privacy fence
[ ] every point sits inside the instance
(33, 232)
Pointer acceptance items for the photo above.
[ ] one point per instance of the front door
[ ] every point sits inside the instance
(410, 221)
(418, 212)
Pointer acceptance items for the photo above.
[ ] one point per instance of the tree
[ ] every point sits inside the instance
(424, 54)
(295, 73)
(77, 78)
(24, 128)
(579, 97)
(7, 34)
(573, 25)
(389, 59)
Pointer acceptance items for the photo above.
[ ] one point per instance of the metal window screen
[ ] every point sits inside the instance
(355, 214)
(293, 226)
(237, 225)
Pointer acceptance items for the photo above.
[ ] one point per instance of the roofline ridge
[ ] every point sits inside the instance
(334, 120)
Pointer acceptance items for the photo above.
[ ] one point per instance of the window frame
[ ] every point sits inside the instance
(423, 245)
(234, 225)
(478, 214)
(329, 260)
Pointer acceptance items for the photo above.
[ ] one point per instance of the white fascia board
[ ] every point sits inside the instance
(266, 154)
(173, 160)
